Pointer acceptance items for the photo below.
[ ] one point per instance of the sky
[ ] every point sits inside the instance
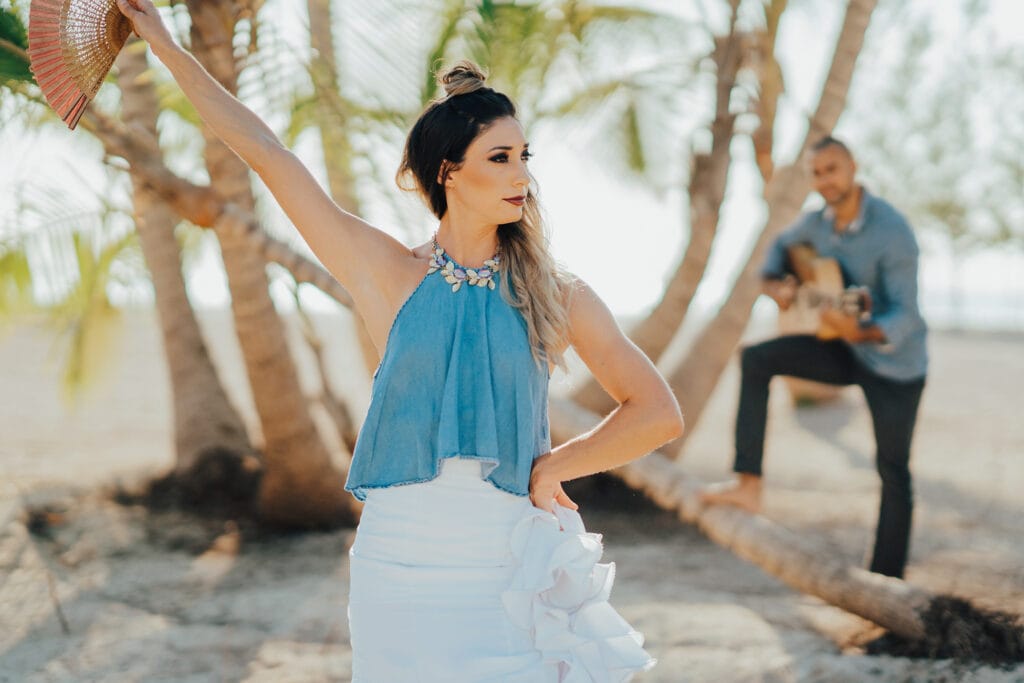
(622, 235)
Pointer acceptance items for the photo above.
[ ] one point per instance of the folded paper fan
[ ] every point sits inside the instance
(72, 45)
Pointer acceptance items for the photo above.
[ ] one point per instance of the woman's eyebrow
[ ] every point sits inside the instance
(508, 148)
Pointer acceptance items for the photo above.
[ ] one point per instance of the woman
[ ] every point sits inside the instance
(470, 562)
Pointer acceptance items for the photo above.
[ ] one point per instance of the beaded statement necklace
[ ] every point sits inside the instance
(457, 275)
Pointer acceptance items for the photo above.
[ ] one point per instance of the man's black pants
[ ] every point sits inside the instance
(893, 405)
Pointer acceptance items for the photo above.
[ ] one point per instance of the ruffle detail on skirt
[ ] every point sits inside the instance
(559, 593)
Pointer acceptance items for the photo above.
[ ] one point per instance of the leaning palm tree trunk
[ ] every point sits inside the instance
(886, 601)
(300, 485)
(708, 178)
(205, 422)
(696, 377)
(770, 88)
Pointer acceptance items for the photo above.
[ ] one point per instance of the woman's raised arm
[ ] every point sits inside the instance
(357, 254)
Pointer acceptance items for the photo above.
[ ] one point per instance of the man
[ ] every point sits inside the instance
(885, 355)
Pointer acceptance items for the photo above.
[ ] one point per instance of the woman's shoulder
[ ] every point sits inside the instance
(587, 311)
(574, 287)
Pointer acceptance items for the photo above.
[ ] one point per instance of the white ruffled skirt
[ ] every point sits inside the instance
(455, 580)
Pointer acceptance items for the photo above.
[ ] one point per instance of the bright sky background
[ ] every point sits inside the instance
(615, 232)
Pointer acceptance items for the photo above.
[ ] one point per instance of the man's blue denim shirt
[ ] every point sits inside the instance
(877, 251)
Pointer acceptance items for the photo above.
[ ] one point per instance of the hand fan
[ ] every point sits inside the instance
(71, 48)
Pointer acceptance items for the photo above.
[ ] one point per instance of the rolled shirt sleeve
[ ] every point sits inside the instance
(899, 317)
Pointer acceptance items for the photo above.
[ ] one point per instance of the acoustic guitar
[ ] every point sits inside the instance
(820, 285)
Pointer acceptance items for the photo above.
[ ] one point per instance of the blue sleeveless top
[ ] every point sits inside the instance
(457, 379)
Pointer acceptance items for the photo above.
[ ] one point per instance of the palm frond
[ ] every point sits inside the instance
(15, 281)
(451, 13)
(634, 155)
(61, 260)
(86, 316)
(14, 63)
(583, 101)
(173, 100)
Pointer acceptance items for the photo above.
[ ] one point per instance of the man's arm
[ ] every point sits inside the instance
(851, 329)
(898, 270)
(777, 281)
(897, 285)
(782, 290)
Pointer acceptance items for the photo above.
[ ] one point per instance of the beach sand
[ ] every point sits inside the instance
(105, 592)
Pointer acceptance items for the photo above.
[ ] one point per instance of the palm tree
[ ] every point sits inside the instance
(706, 190)
(205, 423)
(292, 491)
(60, 263)
(787, 188)
(300, 485)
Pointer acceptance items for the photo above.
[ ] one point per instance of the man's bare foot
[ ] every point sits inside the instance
(744, 493)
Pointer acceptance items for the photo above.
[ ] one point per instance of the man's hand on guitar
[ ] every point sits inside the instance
(844, 326)
(848, 327)
(782, 291)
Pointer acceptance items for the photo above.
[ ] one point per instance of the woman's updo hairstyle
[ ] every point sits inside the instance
(437, 146)
(462, 79)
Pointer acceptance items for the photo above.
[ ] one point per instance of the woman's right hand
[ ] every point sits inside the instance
(546, 488)
(146, 21)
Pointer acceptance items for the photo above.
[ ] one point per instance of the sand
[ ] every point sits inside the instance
(104, 592)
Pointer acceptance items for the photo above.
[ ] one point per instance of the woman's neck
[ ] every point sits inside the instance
(466, 243)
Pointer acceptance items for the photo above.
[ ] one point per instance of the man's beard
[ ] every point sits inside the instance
(842, 196)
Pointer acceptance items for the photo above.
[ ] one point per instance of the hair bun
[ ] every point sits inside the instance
(462, 78)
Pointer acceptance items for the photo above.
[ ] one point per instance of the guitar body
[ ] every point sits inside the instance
(820, 284)
(825, 284)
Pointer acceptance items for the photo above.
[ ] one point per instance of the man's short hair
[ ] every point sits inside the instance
(829, 141)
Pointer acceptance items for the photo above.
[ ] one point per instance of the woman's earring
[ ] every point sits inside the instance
(444, 176)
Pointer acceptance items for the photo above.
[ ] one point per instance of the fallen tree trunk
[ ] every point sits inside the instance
(891, 603)
(924, 624)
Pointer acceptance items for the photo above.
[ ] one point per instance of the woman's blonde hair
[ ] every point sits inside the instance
(437, 145)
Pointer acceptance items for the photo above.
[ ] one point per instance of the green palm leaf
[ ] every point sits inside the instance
(543, 55)
(86, 315)
(451, 13)
(14, 64)
(15, 281)
(62, 260)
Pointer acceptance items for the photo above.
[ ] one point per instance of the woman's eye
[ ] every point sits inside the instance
(503, 157)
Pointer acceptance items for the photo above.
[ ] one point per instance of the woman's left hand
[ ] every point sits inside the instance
(546, 489)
